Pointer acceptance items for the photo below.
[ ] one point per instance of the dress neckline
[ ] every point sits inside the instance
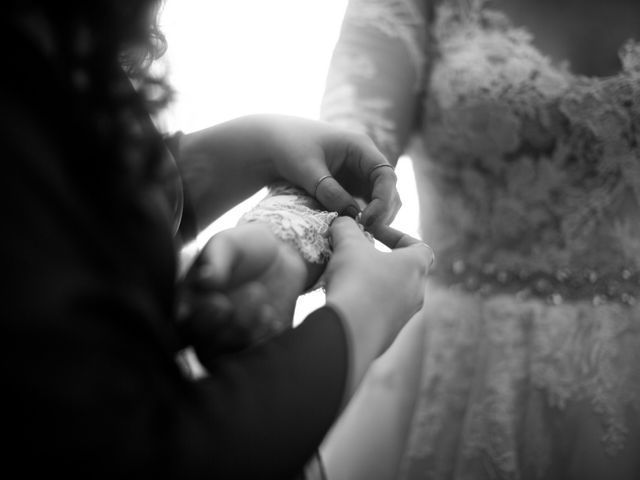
(563, 65)
(486, 15)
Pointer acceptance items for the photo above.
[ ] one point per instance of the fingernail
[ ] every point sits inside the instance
(433, 254)
(351, 211)
(369, 221)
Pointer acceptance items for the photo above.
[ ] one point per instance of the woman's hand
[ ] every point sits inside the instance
(225, 164)
(242, 288)
(376, 292)
(334, 166)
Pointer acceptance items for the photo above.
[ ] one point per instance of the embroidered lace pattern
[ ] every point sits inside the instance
(397, 19)
(522, 167)
(514, 389)
(538, 168)
(401, 22)
(296, 218)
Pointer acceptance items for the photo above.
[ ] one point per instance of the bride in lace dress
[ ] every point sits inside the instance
(523, 126)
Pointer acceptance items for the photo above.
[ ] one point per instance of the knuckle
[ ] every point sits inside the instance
(331, 195)
(363, 139)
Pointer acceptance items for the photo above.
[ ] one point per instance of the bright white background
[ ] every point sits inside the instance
(228, 58)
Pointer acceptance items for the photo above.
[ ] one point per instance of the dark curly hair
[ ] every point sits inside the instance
(95, 55)
(89, 36)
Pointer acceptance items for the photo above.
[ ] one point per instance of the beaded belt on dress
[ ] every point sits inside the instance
(564, 284)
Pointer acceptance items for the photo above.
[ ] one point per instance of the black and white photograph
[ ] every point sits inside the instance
(321, 239)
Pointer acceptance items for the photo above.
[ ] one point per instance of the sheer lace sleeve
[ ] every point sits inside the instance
(377, 71)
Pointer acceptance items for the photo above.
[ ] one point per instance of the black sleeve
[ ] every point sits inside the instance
(273, 404)
(91, 386)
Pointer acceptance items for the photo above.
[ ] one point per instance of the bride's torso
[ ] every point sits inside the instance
(529, 184)
(532, 181)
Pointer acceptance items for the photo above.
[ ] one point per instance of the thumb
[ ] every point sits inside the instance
(333, 197)
(393, 238)
(345, 230)
(397, 240)
(218, 259)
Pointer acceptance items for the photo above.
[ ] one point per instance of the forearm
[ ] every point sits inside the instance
(365, 341)
(369, 438)
(377, 72)
(223, 165)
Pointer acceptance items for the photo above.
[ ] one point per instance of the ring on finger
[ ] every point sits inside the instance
(380, 165)
(318, 182)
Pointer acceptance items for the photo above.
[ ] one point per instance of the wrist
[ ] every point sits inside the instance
(221, 168)
(296, 219)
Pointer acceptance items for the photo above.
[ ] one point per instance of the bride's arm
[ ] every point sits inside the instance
(377, 71)
(374, 86)
(297, 219)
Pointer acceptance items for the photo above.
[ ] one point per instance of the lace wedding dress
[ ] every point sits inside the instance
(529, 184)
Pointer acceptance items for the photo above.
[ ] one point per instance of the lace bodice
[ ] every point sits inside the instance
(539, 168)
(521, 165)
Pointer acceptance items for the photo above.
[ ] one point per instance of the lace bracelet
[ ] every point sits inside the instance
(295, 217)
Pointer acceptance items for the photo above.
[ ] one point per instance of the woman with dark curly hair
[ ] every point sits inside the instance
(94, 316)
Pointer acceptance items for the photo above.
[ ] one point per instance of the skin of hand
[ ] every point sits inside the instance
(376, 292)
(225, 164)
(322, 149)
(242, 288)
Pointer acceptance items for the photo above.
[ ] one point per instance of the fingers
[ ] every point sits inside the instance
(252, 307)
(385, 199)
(217, 262)
(193, 306)
(368, 167)
(395, 239)
(378, 174)
(345, 230)
(230, 319)
(234, 256)
(334, 198)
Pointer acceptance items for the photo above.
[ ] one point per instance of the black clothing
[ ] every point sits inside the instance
(91, 384)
